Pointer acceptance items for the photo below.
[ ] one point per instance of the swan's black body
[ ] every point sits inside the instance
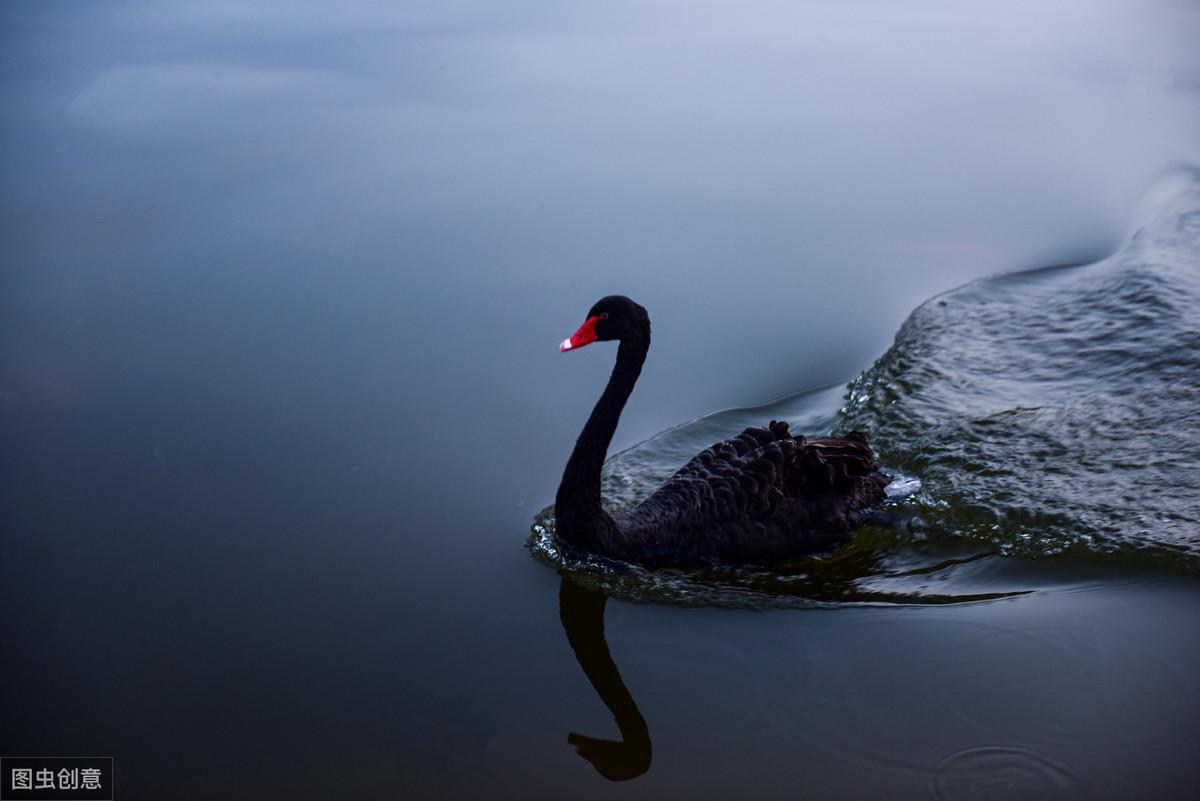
(763, 496)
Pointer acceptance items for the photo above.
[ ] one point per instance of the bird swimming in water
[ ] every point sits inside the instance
(763, 496)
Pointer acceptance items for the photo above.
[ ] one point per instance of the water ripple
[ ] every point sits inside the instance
(1059, 409)
(998, 772)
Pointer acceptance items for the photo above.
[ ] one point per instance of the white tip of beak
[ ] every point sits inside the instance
(565, 345)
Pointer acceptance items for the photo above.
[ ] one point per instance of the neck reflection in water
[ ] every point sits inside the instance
(582, 614)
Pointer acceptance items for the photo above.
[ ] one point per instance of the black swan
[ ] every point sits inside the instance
(760, 497)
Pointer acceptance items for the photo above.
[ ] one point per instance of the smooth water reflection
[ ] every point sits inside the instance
(985, 702)
(582, 614)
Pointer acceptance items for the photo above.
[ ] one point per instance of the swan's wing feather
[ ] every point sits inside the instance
(748, 475)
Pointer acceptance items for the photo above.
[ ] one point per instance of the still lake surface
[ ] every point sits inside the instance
(280, 396)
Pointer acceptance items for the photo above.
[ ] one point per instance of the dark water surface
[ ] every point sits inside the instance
(280, 401)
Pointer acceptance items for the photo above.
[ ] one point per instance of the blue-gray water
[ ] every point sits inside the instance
(280, 398)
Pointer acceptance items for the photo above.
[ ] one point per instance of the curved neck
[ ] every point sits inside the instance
(577, 506)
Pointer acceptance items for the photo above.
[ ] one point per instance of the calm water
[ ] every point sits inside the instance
(280, 398)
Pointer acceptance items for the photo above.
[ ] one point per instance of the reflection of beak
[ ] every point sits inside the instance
(584, 336)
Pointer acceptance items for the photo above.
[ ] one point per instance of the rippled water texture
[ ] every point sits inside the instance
(1057, 408)
(1029, 414)
(989, 772)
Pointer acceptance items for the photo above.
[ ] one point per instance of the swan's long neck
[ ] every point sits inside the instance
(581, 519)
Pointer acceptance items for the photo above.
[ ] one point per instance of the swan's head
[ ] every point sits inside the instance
(613, 317)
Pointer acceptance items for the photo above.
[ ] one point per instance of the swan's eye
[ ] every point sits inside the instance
(603, 315)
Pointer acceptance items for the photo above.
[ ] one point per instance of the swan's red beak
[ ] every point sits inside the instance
(584, 336)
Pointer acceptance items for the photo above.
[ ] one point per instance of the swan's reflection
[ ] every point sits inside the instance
(582, 614)
(835, 579)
